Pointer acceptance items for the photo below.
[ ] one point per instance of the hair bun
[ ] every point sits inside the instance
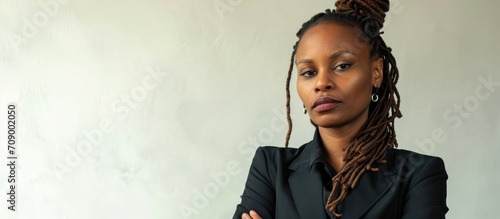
(370, 12)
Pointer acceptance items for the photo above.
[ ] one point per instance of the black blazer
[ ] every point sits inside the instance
(282, 184)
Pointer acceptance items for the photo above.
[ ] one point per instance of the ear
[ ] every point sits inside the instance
(377, 72)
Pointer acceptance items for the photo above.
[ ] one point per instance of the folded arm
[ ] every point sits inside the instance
(259, 194)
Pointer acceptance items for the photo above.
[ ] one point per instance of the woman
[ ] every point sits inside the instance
(346, 80)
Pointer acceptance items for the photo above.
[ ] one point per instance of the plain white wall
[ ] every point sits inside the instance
(153, 109)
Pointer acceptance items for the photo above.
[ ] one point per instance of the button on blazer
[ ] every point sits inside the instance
(282, 185)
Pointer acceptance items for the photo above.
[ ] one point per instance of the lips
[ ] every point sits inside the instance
(325, 103)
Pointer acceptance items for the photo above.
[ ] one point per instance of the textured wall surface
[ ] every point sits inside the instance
(153, 109)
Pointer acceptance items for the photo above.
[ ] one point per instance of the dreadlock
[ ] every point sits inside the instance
(377, 135)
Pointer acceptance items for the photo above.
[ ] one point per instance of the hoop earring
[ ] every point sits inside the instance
(375, 95)
(305, 110)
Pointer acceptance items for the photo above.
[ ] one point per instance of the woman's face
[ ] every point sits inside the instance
(336, 75)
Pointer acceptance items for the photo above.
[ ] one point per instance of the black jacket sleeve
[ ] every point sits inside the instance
(259, 194)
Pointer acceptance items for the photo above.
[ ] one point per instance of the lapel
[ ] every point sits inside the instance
(306, 183)
(307, 192)
(370, 188)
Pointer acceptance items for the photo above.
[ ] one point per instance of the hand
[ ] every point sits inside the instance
(252, 215)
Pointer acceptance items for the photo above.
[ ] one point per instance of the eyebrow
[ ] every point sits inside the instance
(332, 56)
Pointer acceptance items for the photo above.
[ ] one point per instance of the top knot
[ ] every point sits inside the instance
(371, 13)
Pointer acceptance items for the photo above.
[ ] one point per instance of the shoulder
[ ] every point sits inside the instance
(274, 156)
(275, 160)
(414, 167)
(421, 182)
(410, 159)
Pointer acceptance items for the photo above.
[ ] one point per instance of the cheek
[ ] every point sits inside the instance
(360, 89)
(301, 90)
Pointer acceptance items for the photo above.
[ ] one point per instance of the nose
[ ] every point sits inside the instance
(324, 82)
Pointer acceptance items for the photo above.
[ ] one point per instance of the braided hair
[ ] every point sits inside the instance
(377, 135)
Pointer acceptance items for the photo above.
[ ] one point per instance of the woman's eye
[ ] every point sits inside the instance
(343, 66)
(308, 73)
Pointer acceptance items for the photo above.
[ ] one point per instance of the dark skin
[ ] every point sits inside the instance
(331, 62)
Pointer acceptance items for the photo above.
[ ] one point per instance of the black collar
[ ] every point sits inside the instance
(318, 150)
(313, 152)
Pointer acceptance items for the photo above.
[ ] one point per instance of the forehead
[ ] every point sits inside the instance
(330, 37)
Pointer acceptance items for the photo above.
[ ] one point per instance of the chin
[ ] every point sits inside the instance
(329, 121)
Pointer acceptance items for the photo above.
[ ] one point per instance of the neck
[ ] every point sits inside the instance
(335, 139)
